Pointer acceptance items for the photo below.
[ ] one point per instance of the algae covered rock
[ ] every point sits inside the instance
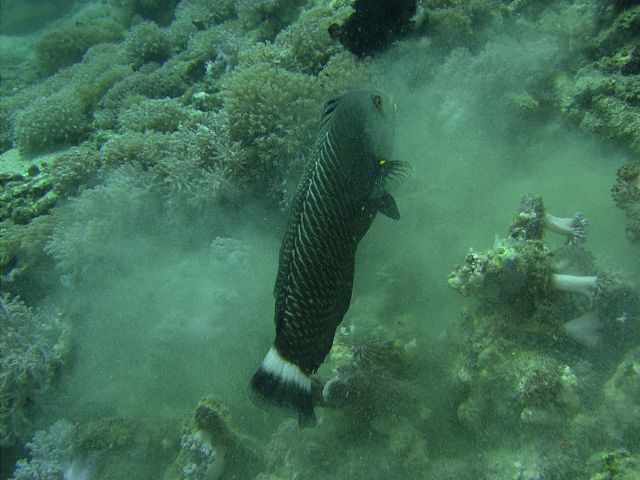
(622, 399)
(213, 449)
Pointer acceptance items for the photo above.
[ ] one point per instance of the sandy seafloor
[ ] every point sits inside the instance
(164, 303)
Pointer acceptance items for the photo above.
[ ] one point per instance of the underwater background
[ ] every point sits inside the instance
(149, 152)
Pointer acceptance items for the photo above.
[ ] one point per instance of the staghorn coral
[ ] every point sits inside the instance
(34, 344)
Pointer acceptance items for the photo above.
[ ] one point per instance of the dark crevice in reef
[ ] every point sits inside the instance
(374, 25)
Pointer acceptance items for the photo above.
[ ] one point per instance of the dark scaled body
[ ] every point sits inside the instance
(342, 189)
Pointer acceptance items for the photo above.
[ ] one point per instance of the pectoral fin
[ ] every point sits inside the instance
(388, 207)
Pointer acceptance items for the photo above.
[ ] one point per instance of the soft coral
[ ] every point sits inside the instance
(626, 194)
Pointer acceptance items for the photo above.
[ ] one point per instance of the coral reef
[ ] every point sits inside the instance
(145, 43)
(99, 448)
(135, 112)
(523, 275)
(24, 270)
(53, 121)
(371, 381)
(77, 243)
(626, 194)
(67, 44)
(530, 389)
(510, 373)
(267, 17)
(45, 182)
(34, 344)
(159, 11)
(621, 401)
(602, 96)
(213, 450)
(50, 454)
(455, 24)
(618, 464)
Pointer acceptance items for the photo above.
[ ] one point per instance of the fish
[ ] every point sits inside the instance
(343, 186)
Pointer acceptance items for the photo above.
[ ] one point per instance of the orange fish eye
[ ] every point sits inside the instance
(377, 101)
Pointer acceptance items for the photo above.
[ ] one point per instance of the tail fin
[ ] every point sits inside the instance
(281, 382)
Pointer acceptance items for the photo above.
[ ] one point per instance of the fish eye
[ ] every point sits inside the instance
(377, 101)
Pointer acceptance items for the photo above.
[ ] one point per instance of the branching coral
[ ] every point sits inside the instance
(24, 269)
(96, 448)
(194, 165)
(50, 454)
(84, 226)
(626, 194)
(33, 343)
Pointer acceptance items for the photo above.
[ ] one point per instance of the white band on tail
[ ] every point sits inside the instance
(285, 370)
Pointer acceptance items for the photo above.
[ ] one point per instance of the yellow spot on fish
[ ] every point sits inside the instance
(382, 161)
